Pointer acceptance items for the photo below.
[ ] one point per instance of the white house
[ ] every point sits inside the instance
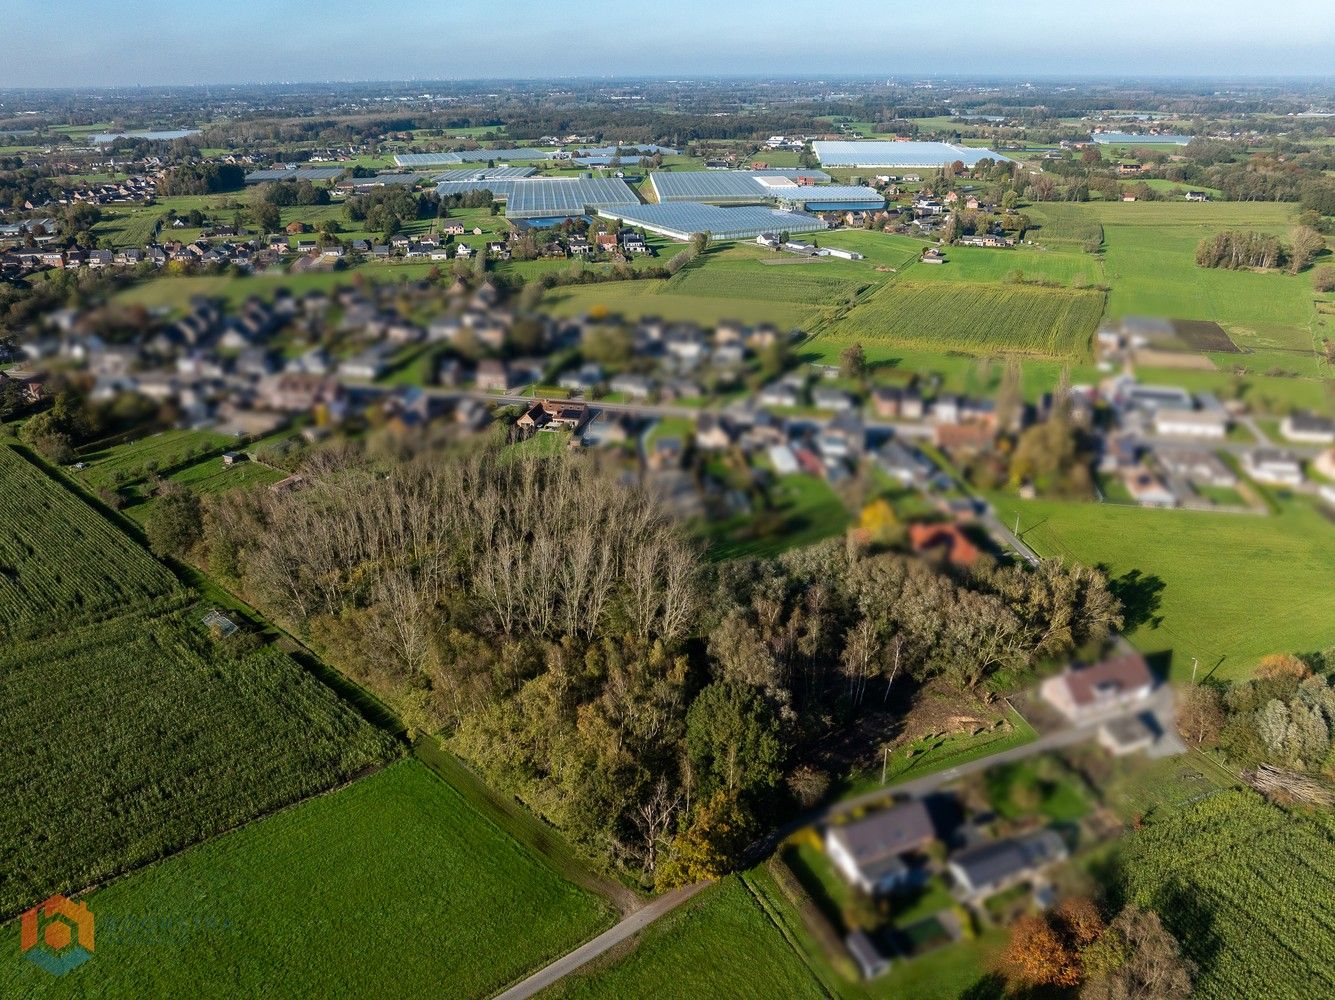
(1270, 465)
(871, 853)
(1116, 683)
(1173, 422)
(1308, 428)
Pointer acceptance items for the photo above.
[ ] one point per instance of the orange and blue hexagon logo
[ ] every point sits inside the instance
(57, 935)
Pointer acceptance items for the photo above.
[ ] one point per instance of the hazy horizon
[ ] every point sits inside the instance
(118, 43)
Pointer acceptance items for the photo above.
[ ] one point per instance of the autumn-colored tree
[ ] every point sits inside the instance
(1037, 956)
(878, 520)
(1079, 922)
(852, 362)
(1278, 665)
(706, 848)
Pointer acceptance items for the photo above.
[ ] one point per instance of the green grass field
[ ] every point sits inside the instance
(392, 887)
(722, 943)
(636, 299)
(803, 510)
(138, 736)
(173, 293)
(974, 317)
(1225, 588)
(131, 461)
(939, 753)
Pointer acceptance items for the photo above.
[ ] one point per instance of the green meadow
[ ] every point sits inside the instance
(390, 887)
(1224, 588)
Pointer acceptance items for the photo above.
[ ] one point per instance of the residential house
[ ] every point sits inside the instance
(946, 540)
(1120, 682)
(874, 853)
(1271, 465)
(904, 463)
(1172, 422)
(1147, 489)
(548, 414)
(989, 868)
(492, 376)
(1308, 428)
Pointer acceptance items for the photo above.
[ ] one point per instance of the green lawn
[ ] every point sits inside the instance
(392, 887)
(652, 297)
(940, 753)
(134, 460)
(802, 510)
(1225, 588)
(720, 944)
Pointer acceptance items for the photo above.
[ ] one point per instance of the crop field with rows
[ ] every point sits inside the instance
(132, 738)
(1249, 891)
(61, 561)
(975, 318)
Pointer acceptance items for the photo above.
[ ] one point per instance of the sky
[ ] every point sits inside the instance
(81, 43)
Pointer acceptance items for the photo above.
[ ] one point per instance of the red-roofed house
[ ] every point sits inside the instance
(947, 539)
(1118, 682)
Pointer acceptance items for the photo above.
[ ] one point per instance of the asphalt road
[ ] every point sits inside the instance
(608, 939)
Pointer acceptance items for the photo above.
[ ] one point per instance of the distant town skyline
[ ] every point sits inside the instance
(78, 43)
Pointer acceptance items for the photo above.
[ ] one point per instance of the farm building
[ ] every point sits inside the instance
(293, 172)
(840, 153)
(539, 199)
(679, 220)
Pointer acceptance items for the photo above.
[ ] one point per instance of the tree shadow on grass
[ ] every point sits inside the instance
(1141, 596)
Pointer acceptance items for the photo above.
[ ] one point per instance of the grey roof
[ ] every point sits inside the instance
(884, 835)
(990, 863)
(680, 219)
(294, 172)
(549, 197)
(721, 185)
(427, 159)
(1139, 139)
(840, 153)
(486, 173)
(383, 179)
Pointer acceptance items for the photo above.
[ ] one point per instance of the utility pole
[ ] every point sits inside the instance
(1194, 665)
(1017, 525)
(885, 757)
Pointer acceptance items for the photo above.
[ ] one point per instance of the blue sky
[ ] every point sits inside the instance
(111, 42)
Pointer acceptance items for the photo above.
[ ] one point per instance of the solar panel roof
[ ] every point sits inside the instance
(549, 197)
(486, 173)
(813, 195)
(1140, 139)
(722, 185)
(294, 174)
(681, 219)
(427, 159)
(843, 153)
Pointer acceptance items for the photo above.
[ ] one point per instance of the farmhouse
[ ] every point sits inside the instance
(548, 415)
(871, 852)
(1116, 683)
(1172, 422)
(989, 868)
(1308, 428)
(1147, 489)
(1270, 465)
